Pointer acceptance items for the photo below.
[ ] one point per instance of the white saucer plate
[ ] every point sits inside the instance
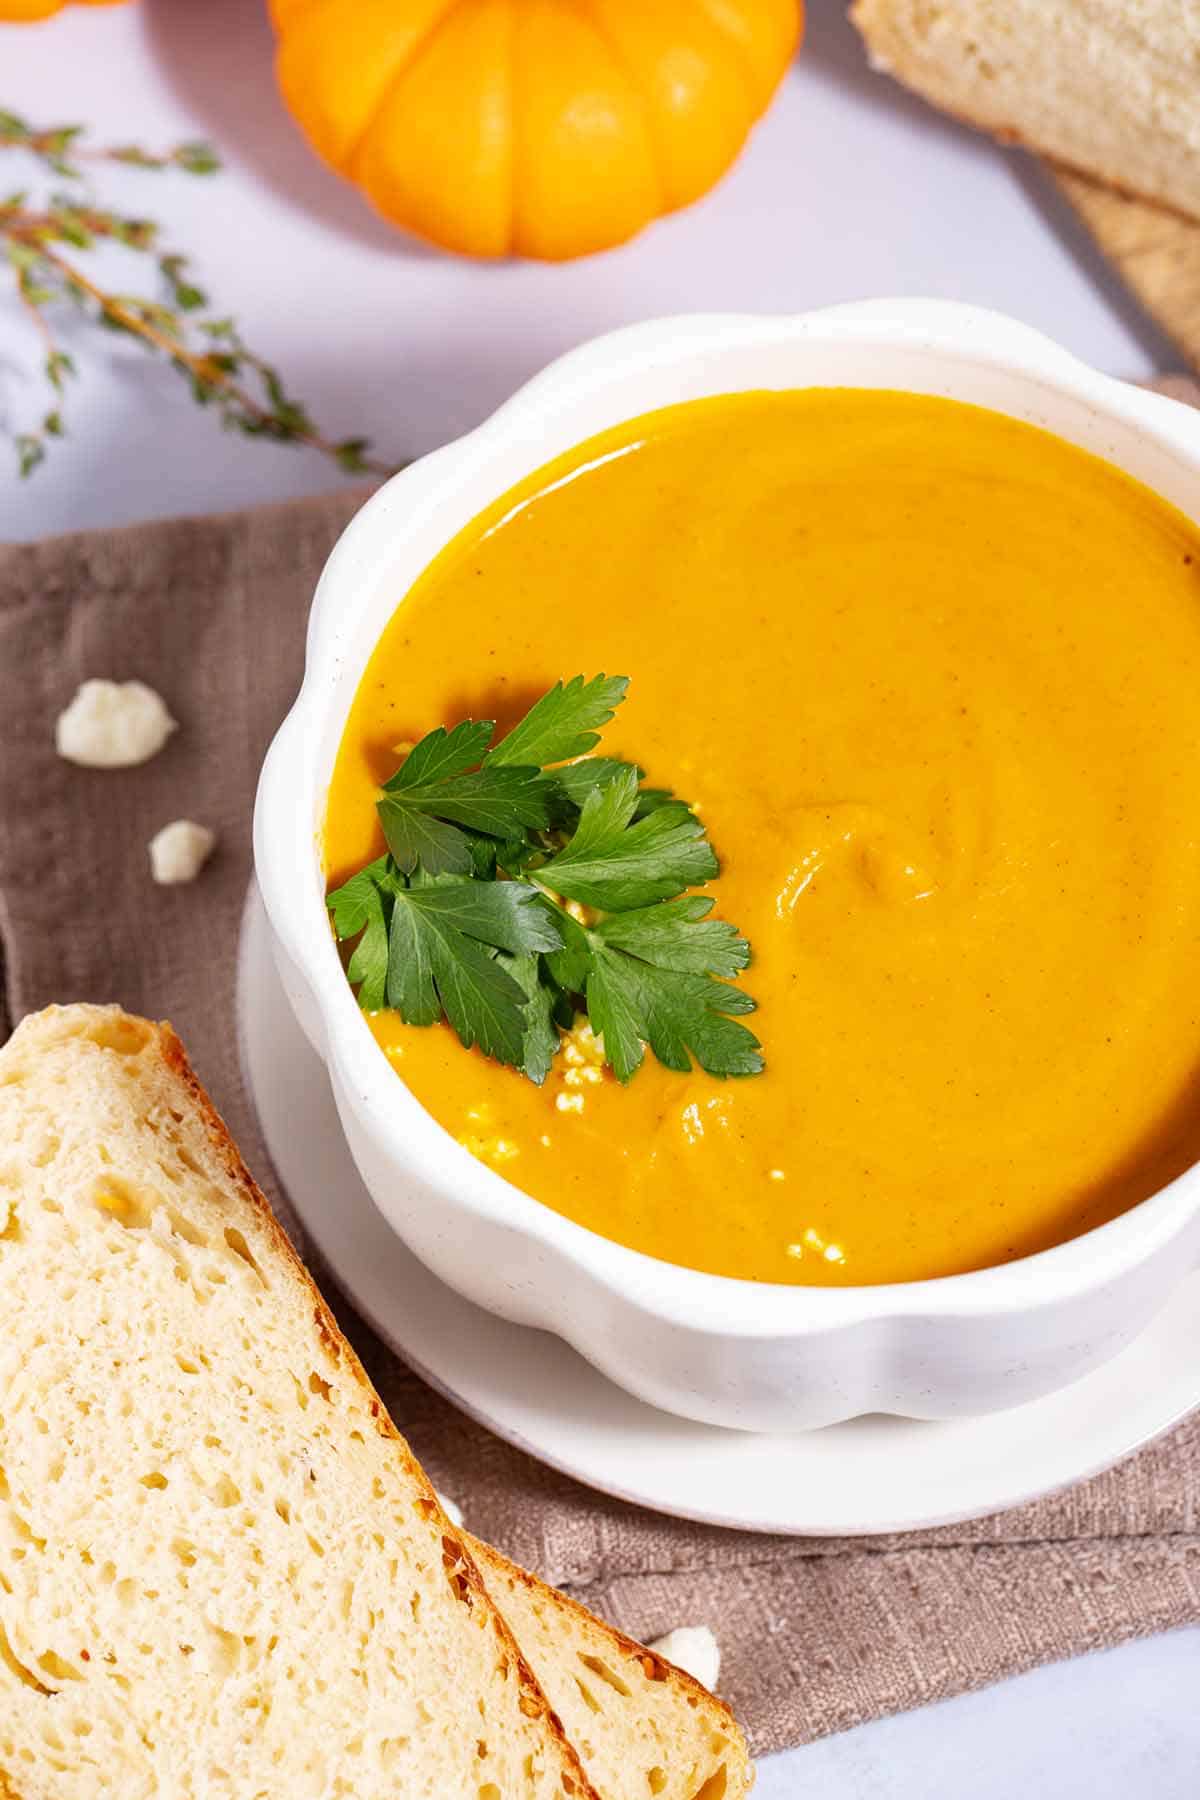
(869, 1475)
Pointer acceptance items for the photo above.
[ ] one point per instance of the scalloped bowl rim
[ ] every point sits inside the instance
(287, 811)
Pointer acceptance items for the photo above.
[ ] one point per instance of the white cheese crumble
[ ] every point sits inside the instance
(179, 851)
(113, 725)
(451, 1508)
(694, 1649)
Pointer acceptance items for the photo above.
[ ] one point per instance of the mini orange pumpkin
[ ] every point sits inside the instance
(546, 128)
(21, 12)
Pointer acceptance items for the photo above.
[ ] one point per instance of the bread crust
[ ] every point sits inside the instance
(688, 1730)
(655, 1667)
(466, 1572)
(472, 1550)
(460, 1567)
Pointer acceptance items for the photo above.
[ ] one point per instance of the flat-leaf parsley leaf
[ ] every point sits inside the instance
(441, 788)
(564, 723)
(615, 860)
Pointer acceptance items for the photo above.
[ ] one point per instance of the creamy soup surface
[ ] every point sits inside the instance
(933, 679)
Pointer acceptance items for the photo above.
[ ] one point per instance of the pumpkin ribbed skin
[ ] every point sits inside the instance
(22, 12)
(543, 128)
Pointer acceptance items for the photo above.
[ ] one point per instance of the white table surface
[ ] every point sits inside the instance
(848, 189)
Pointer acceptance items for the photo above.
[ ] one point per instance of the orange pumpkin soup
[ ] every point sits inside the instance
(931, 677)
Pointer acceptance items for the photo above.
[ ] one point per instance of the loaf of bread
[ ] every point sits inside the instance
(222, 1572)
(1111, 88)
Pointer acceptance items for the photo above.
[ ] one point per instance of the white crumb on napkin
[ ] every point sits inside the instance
(179, 851)
(113, 725)
(451, 1508)
(694, 1649)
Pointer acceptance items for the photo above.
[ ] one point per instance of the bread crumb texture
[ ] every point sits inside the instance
(1109, 87)
(641, 1726)
(222, 1574)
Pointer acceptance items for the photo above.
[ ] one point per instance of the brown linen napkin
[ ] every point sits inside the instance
(816, 1634)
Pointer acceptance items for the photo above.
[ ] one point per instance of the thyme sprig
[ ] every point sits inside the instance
(41, 238)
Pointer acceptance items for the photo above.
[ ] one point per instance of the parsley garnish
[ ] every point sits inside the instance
(563, 724)
(463, 918)
(439, 795)
(440, 958)
(617, 861)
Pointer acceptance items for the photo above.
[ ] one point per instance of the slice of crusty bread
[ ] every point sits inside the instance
(208, 1579)
(641, 1727)
(222, 1572)
(1111, 87)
